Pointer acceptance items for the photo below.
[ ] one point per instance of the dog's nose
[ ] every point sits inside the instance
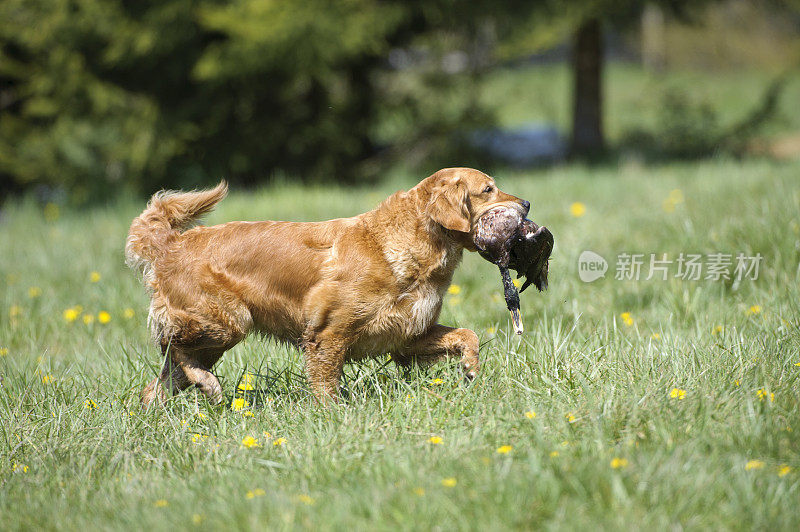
(526, 205)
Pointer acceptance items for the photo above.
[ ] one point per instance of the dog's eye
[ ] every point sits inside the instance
(488, 189)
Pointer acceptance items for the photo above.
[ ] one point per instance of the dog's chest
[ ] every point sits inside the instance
(421, 280)
(418, 309)
(399, 321)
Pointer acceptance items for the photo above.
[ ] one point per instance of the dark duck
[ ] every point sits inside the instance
(512, 242)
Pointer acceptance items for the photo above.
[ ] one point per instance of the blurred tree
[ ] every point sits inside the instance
(105, 94)
(587, 138)
(587, 89)
(582, 22)
(100, 95)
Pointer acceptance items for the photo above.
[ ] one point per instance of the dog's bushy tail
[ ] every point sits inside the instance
(166, 215)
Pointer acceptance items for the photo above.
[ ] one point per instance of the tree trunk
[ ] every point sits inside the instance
(654, 56)
(587, 65)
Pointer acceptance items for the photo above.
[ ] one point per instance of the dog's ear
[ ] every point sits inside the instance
(449, 206)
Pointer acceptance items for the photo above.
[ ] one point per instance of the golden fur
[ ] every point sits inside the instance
(341, 289)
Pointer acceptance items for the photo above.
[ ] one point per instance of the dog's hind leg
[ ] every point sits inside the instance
(151, 392)
(184, 368)
(195, 365)
(440, 342)
(171, 377)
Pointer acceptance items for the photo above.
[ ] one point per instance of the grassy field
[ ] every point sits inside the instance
(656, 403)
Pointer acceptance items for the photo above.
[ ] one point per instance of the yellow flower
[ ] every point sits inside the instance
(19, 468)
(491, 330)
(250, 442)
(246, 383)
(784, 470)
(94, 277)
(51, 211)
(553, 454)
(449, 482)
(14, 311)
(677, 393)
(197, 518)
(88, 319)
(437, 381)
(436, 440)
(248, 413)
(753, 464)
(530, 414)
(239, 404)
(504, 449)
(89, 404)
(103, 316)
(161, 503)
(668, 205)
(737, 382)
(199, 438)
(3, 351)
(655, 336)
(577, 209)
(570, 417)
(753, 310)
(47, 379)
(201, 415)
(267, 435)
(716, 330)
(34, 292)
(305, 499)
(279, 442)
(128, 313)
(258, 492)
(676, 196)
(71, 314)
(762, 394)
(626, 318)
(618, 463)
(454, 289)
(419, 491)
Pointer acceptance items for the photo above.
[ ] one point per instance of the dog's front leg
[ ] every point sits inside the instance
(441, 341)
(325, 354)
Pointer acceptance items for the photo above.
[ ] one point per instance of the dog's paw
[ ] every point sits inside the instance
(213, 393)
(470, 369)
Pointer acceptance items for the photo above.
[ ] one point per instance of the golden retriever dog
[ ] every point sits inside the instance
(341, 290)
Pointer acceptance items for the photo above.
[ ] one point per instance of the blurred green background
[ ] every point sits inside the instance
(102, 98)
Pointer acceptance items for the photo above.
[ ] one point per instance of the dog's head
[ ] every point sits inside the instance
(458, 197)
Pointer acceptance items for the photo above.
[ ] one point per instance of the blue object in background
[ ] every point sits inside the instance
(531, 144)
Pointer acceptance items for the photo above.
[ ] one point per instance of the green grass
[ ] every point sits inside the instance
(368, 462)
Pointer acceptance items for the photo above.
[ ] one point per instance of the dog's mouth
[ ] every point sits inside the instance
(505, 206)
